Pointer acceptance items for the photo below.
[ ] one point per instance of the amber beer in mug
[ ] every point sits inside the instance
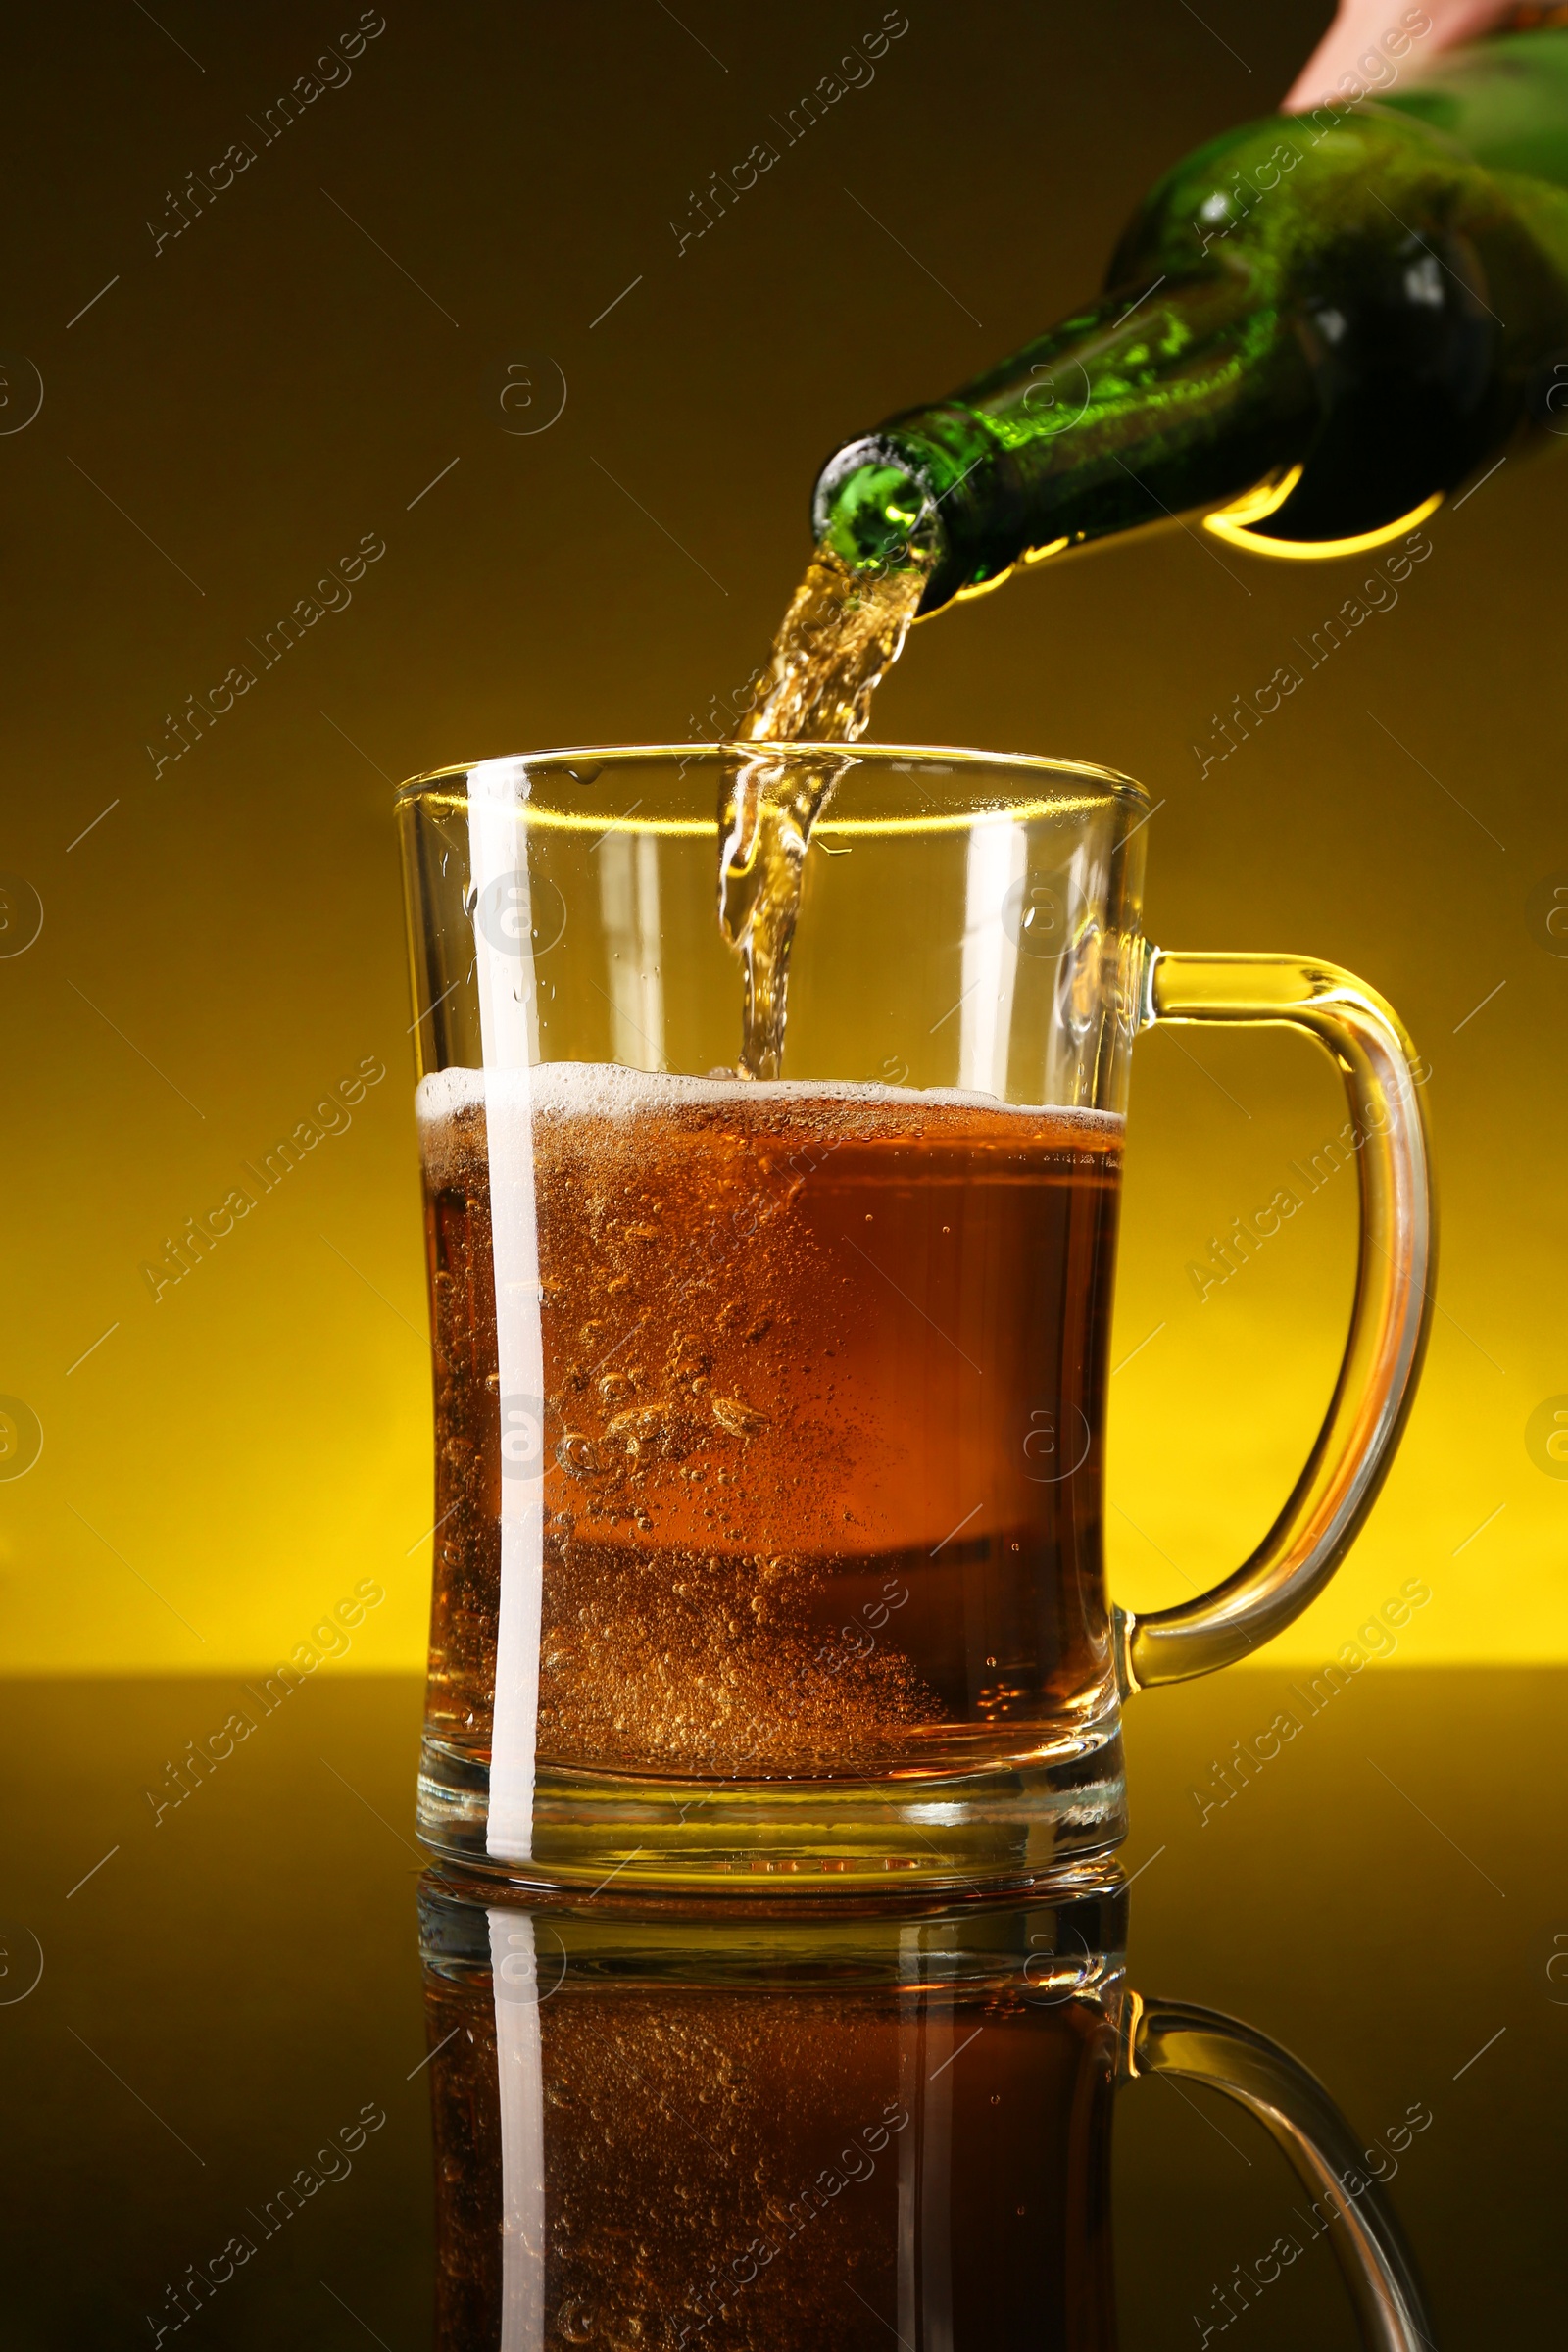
(754, 1424)
(770, 1412)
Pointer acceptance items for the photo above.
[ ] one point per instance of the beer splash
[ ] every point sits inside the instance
(842, 633)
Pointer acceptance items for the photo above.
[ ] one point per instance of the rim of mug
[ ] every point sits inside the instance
(1119, 787)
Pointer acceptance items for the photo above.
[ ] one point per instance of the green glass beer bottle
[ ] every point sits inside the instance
(1314, 328)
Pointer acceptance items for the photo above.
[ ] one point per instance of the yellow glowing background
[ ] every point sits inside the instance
(316, 361)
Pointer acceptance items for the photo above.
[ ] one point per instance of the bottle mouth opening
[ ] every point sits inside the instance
(914, 495)
(877, 506)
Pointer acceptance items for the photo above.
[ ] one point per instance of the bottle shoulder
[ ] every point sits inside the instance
(1502, 103)
(1273, 197)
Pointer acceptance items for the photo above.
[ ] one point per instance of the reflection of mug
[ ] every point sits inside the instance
(722, 1363)
(761, 2132)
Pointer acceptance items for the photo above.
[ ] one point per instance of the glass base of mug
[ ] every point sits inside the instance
(1007, 1825)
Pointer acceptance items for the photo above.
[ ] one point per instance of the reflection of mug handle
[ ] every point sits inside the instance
(1169, 2038)
(1389, 1320)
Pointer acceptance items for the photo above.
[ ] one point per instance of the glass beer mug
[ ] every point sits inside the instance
(812, 2137)
(771, 1413)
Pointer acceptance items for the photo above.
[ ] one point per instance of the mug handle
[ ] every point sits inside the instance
(1171, 2037)
(1389, 1320)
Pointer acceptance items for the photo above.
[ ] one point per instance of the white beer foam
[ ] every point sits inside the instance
(606, 1090)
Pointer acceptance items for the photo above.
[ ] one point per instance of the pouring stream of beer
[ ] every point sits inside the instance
(842, 633)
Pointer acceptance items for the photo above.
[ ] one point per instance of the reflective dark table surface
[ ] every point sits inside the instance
(211, 2004)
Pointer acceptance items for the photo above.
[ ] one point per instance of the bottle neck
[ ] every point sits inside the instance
(1133, 411)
